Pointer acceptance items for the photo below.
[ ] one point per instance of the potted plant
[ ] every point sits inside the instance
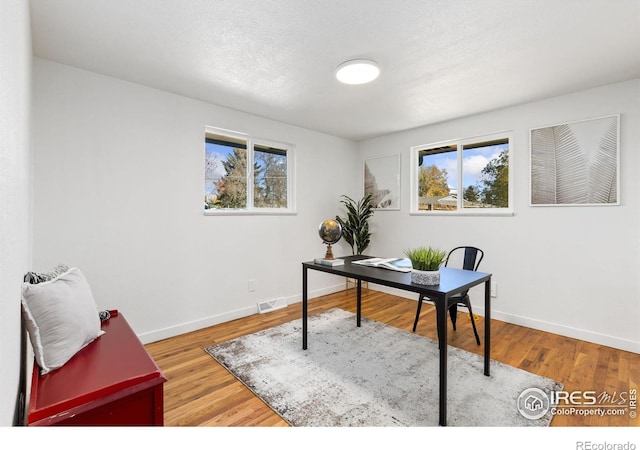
(425, 263)
(355, 227)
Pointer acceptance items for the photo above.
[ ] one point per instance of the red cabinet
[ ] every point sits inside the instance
(112, 381)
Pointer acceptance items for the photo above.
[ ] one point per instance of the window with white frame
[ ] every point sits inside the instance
(244, 174)
(465, 176)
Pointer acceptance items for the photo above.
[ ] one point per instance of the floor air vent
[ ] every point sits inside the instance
(271, 305)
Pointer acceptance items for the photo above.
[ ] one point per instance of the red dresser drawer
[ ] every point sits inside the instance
(112, 381)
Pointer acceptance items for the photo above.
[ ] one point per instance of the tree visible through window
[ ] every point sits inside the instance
(465, 175)
(270, 177)
(244, 174)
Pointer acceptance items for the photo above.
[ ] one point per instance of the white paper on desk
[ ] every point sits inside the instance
(397, 264)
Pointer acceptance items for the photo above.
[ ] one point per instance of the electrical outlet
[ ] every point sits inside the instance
(252, 285)
(494, 290)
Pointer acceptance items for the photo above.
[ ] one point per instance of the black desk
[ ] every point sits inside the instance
(452, 281)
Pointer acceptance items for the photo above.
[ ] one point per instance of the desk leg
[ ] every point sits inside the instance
(359, 303)
(487, 326)
(442, 318)
(304, 308)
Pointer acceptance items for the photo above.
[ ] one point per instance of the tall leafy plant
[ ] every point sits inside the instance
(355, 226)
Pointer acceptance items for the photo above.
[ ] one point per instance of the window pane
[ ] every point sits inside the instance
(225, 172)
(270, 177)
(437, 179)
(485, 174)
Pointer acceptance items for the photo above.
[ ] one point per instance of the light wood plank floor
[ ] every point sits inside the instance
(200, 392)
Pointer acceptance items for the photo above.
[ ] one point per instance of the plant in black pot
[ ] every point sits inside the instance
(355, 226)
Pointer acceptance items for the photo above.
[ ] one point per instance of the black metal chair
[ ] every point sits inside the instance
(471, 259)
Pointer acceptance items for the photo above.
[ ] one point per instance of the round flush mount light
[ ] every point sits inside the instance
(358, 71)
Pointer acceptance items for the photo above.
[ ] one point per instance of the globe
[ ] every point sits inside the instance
(330, 232)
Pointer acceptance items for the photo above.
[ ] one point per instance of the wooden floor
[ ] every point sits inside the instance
(200, 392)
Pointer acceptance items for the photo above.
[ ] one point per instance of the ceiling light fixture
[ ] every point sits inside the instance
(358, 71)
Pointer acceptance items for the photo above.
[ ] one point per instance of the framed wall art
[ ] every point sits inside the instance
(382, 179)
(576, 163)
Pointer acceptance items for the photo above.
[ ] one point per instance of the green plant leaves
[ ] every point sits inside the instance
(426, 258)
(355, 227)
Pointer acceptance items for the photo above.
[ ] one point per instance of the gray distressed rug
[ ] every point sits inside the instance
(375, 375)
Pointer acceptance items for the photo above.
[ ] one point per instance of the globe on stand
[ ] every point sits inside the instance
(330, 232)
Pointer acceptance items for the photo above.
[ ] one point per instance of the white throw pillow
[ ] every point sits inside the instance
(61, 316)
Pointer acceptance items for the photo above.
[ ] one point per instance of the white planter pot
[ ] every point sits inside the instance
(425, 277)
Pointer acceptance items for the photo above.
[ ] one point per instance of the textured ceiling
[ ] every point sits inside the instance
(441, 59)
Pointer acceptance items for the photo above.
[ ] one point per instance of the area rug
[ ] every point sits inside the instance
(375, 375)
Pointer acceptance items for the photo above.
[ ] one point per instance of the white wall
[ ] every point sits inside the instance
(569, 270)
(15, 97)
(119, 190)
(118, 193)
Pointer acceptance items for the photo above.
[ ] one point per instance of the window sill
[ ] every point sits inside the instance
(505, 213)
(253, 212)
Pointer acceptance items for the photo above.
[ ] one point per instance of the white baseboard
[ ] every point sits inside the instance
(187, 327)
(549, 327)
(563, 330)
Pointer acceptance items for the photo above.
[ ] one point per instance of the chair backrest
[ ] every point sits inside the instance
(471, 258)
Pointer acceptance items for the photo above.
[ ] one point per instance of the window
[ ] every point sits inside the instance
(246, 175)
(469, 176)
